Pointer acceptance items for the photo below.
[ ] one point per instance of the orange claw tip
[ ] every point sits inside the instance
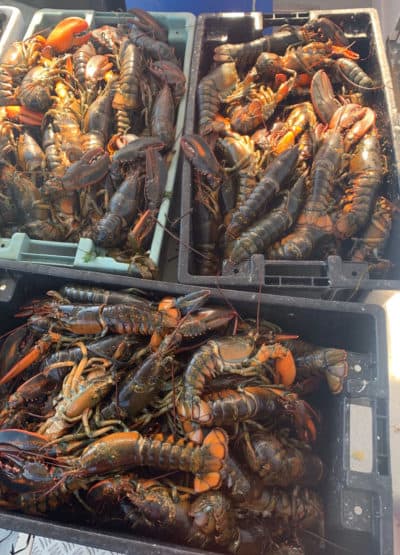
(21, 114)
(26, 361)
(69, 32)
(345, 52)
(311, 434)
(286, 368)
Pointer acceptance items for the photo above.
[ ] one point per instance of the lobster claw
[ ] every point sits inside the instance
(148, 24)
(207, 319)
(90, 169)
(41, 347)
(25, 441)
(322, 96)
(97, 67)
(325, 29)
(355, 121)
(304, 416)
(21, 114)
(21, 475)
(68, 33)
(198, 152)
(192, 301)
(286, 369)
(143, 230)
(344, 52)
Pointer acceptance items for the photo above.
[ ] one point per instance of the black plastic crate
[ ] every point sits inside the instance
(334, 277)
(354, 434)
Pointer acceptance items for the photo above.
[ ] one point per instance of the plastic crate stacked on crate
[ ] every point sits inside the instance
(353, 434)
(85, 254)
(334, 277)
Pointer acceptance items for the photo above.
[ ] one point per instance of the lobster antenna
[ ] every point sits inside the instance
(228, 302)
(358, 284)
(176, 238)
(259, 293)
(189, 247)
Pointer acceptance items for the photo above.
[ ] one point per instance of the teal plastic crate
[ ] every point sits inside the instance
(85, 255)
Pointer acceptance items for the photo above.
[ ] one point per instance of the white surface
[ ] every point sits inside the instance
(361, 459)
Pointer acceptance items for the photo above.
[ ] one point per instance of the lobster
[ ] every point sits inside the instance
(278, 463)
(314, 224)
(229, 407)
(247, 52)
(131, 62)
(268, 229)
(123, 451)
(371, 245)
(121, 212)
(206, 521)
(365, 176)
(212, 89)
(262, 193)
(231, 355)
(313, 361)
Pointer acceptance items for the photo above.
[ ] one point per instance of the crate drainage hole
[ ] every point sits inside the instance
(354, 273)
(2, 245)
(357, 368)
(358, 510)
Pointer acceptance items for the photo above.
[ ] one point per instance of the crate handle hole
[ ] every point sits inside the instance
(235, 270)
(2, 245)
(354, 273)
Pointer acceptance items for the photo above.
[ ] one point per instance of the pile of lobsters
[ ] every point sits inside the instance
(87, 122)
(287, 157)
(171, 417)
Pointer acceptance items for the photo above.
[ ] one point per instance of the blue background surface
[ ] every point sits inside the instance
(200, 7)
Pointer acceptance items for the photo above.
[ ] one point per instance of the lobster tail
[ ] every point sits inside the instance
(215, 450)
